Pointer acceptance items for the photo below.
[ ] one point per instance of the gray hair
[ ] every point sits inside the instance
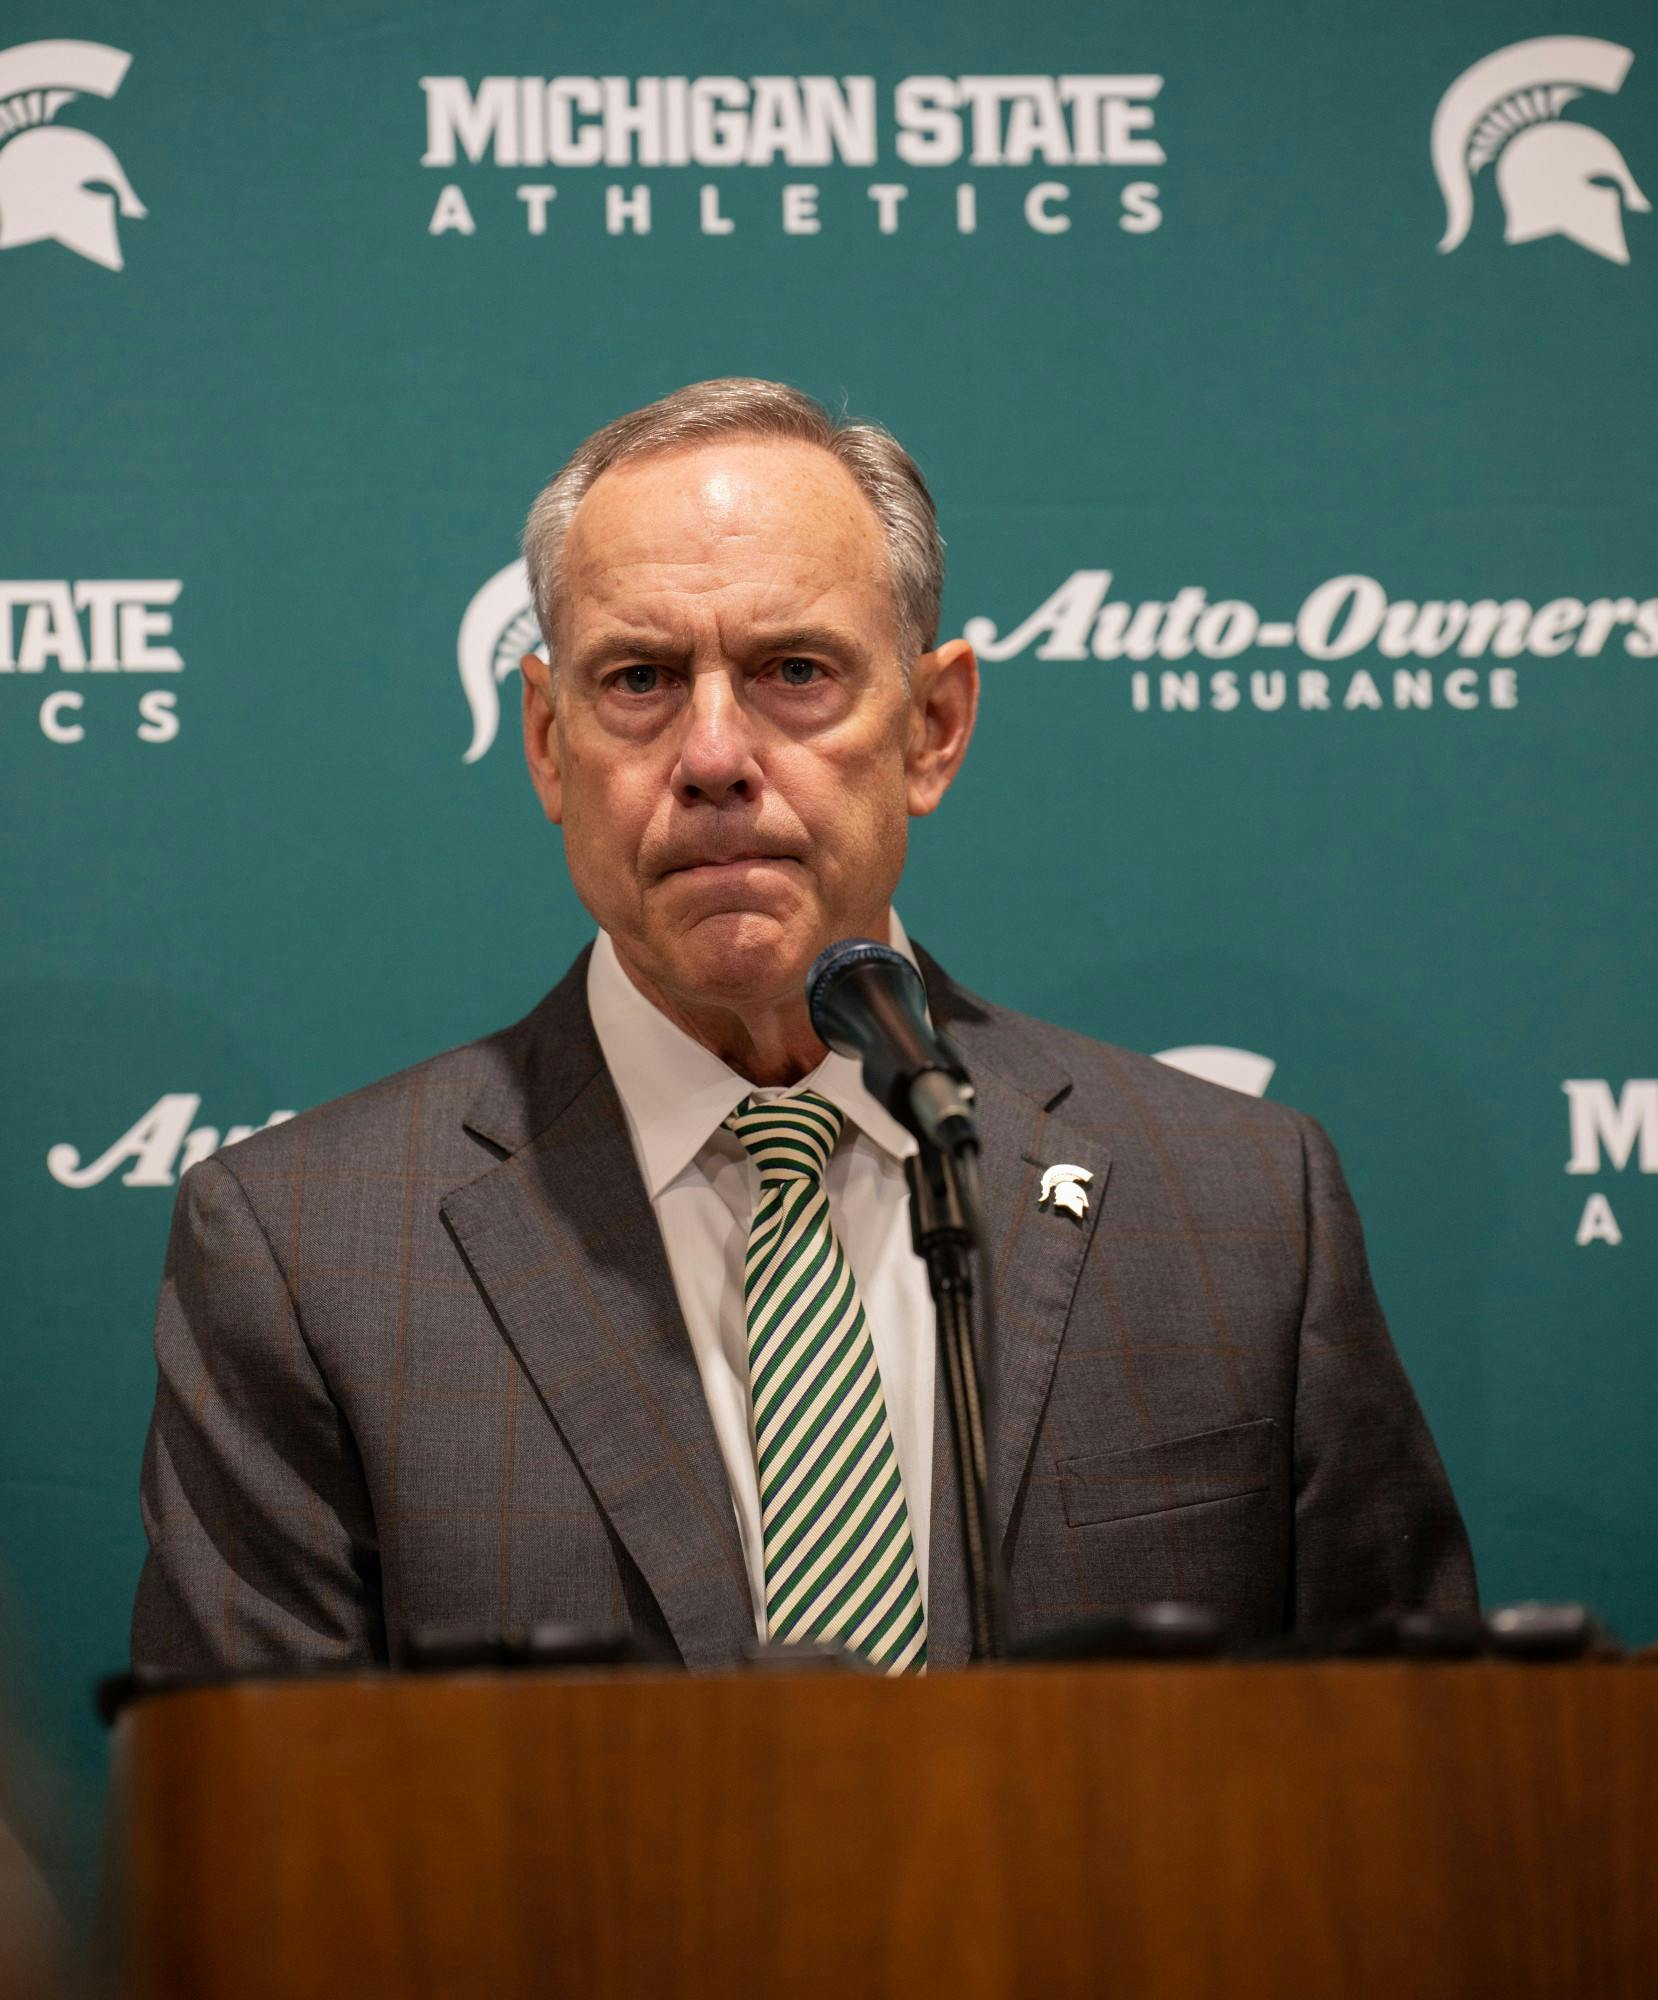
(741, 406)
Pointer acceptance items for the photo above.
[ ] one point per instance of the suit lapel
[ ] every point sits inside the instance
(561, 1239)
(1037, 1252)
(1036, 1255)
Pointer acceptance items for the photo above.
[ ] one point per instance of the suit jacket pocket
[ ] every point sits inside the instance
(1180, 1472)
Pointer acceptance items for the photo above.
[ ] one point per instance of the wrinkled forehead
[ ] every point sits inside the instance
(741, 526)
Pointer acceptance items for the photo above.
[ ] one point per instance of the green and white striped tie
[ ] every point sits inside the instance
(834, 1524)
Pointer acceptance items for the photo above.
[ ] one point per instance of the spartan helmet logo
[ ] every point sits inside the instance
(1065, 1187)
(58, 185)
(1551, 172)
(499, 627)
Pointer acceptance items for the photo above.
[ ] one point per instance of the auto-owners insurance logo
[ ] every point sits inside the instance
(1421, 654)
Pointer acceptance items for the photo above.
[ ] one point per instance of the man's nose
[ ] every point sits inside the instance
(716, 761)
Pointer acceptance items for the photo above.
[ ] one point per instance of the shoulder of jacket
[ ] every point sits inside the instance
(383, 1118)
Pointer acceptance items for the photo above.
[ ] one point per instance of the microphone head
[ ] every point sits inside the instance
(829, 971)
(868, 1001)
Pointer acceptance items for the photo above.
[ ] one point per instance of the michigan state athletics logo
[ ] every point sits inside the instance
(1557, 176)
(57, 183)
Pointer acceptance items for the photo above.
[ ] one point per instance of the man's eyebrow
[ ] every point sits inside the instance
(656, 648)
(804, 639)
(615, 647)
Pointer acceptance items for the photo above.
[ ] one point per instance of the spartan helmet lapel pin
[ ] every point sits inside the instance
(1064, 1187)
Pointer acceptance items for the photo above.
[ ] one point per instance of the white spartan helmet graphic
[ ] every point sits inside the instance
(1065, 1187)
(498, 629)
(1552, 173)
(58, 185)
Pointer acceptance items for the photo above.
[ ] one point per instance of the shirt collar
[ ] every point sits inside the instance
(676, 1094)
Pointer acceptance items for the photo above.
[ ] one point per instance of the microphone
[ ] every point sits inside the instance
(867, 1001)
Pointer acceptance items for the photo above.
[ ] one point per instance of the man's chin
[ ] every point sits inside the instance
(740, 957)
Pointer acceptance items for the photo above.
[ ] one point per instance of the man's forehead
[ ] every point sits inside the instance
(725, 508)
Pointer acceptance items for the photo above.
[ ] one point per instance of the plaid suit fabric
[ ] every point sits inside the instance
(420, 1363)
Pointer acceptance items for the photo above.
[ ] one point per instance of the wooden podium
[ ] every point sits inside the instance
(1145, 1831)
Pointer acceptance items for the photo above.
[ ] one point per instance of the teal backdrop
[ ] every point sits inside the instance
(1313, 566)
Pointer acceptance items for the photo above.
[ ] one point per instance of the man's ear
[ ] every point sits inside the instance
(944, 701)
(541, 735)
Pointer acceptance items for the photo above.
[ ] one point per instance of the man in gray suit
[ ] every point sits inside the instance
(612, 1317)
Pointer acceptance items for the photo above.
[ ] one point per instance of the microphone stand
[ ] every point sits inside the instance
(946, 1224)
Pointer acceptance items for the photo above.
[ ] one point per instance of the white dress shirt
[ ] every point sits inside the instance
(703, 1187)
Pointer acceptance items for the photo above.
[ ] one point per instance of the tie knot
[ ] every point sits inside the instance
(788, 1138)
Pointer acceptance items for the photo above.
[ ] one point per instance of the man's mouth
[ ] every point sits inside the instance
(714, 863)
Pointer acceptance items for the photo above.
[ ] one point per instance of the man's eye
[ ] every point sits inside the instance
(639, 680)
(796, 672)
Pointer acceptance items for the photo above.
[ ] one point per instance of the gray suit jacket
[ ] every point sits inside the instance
(421, 1362)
